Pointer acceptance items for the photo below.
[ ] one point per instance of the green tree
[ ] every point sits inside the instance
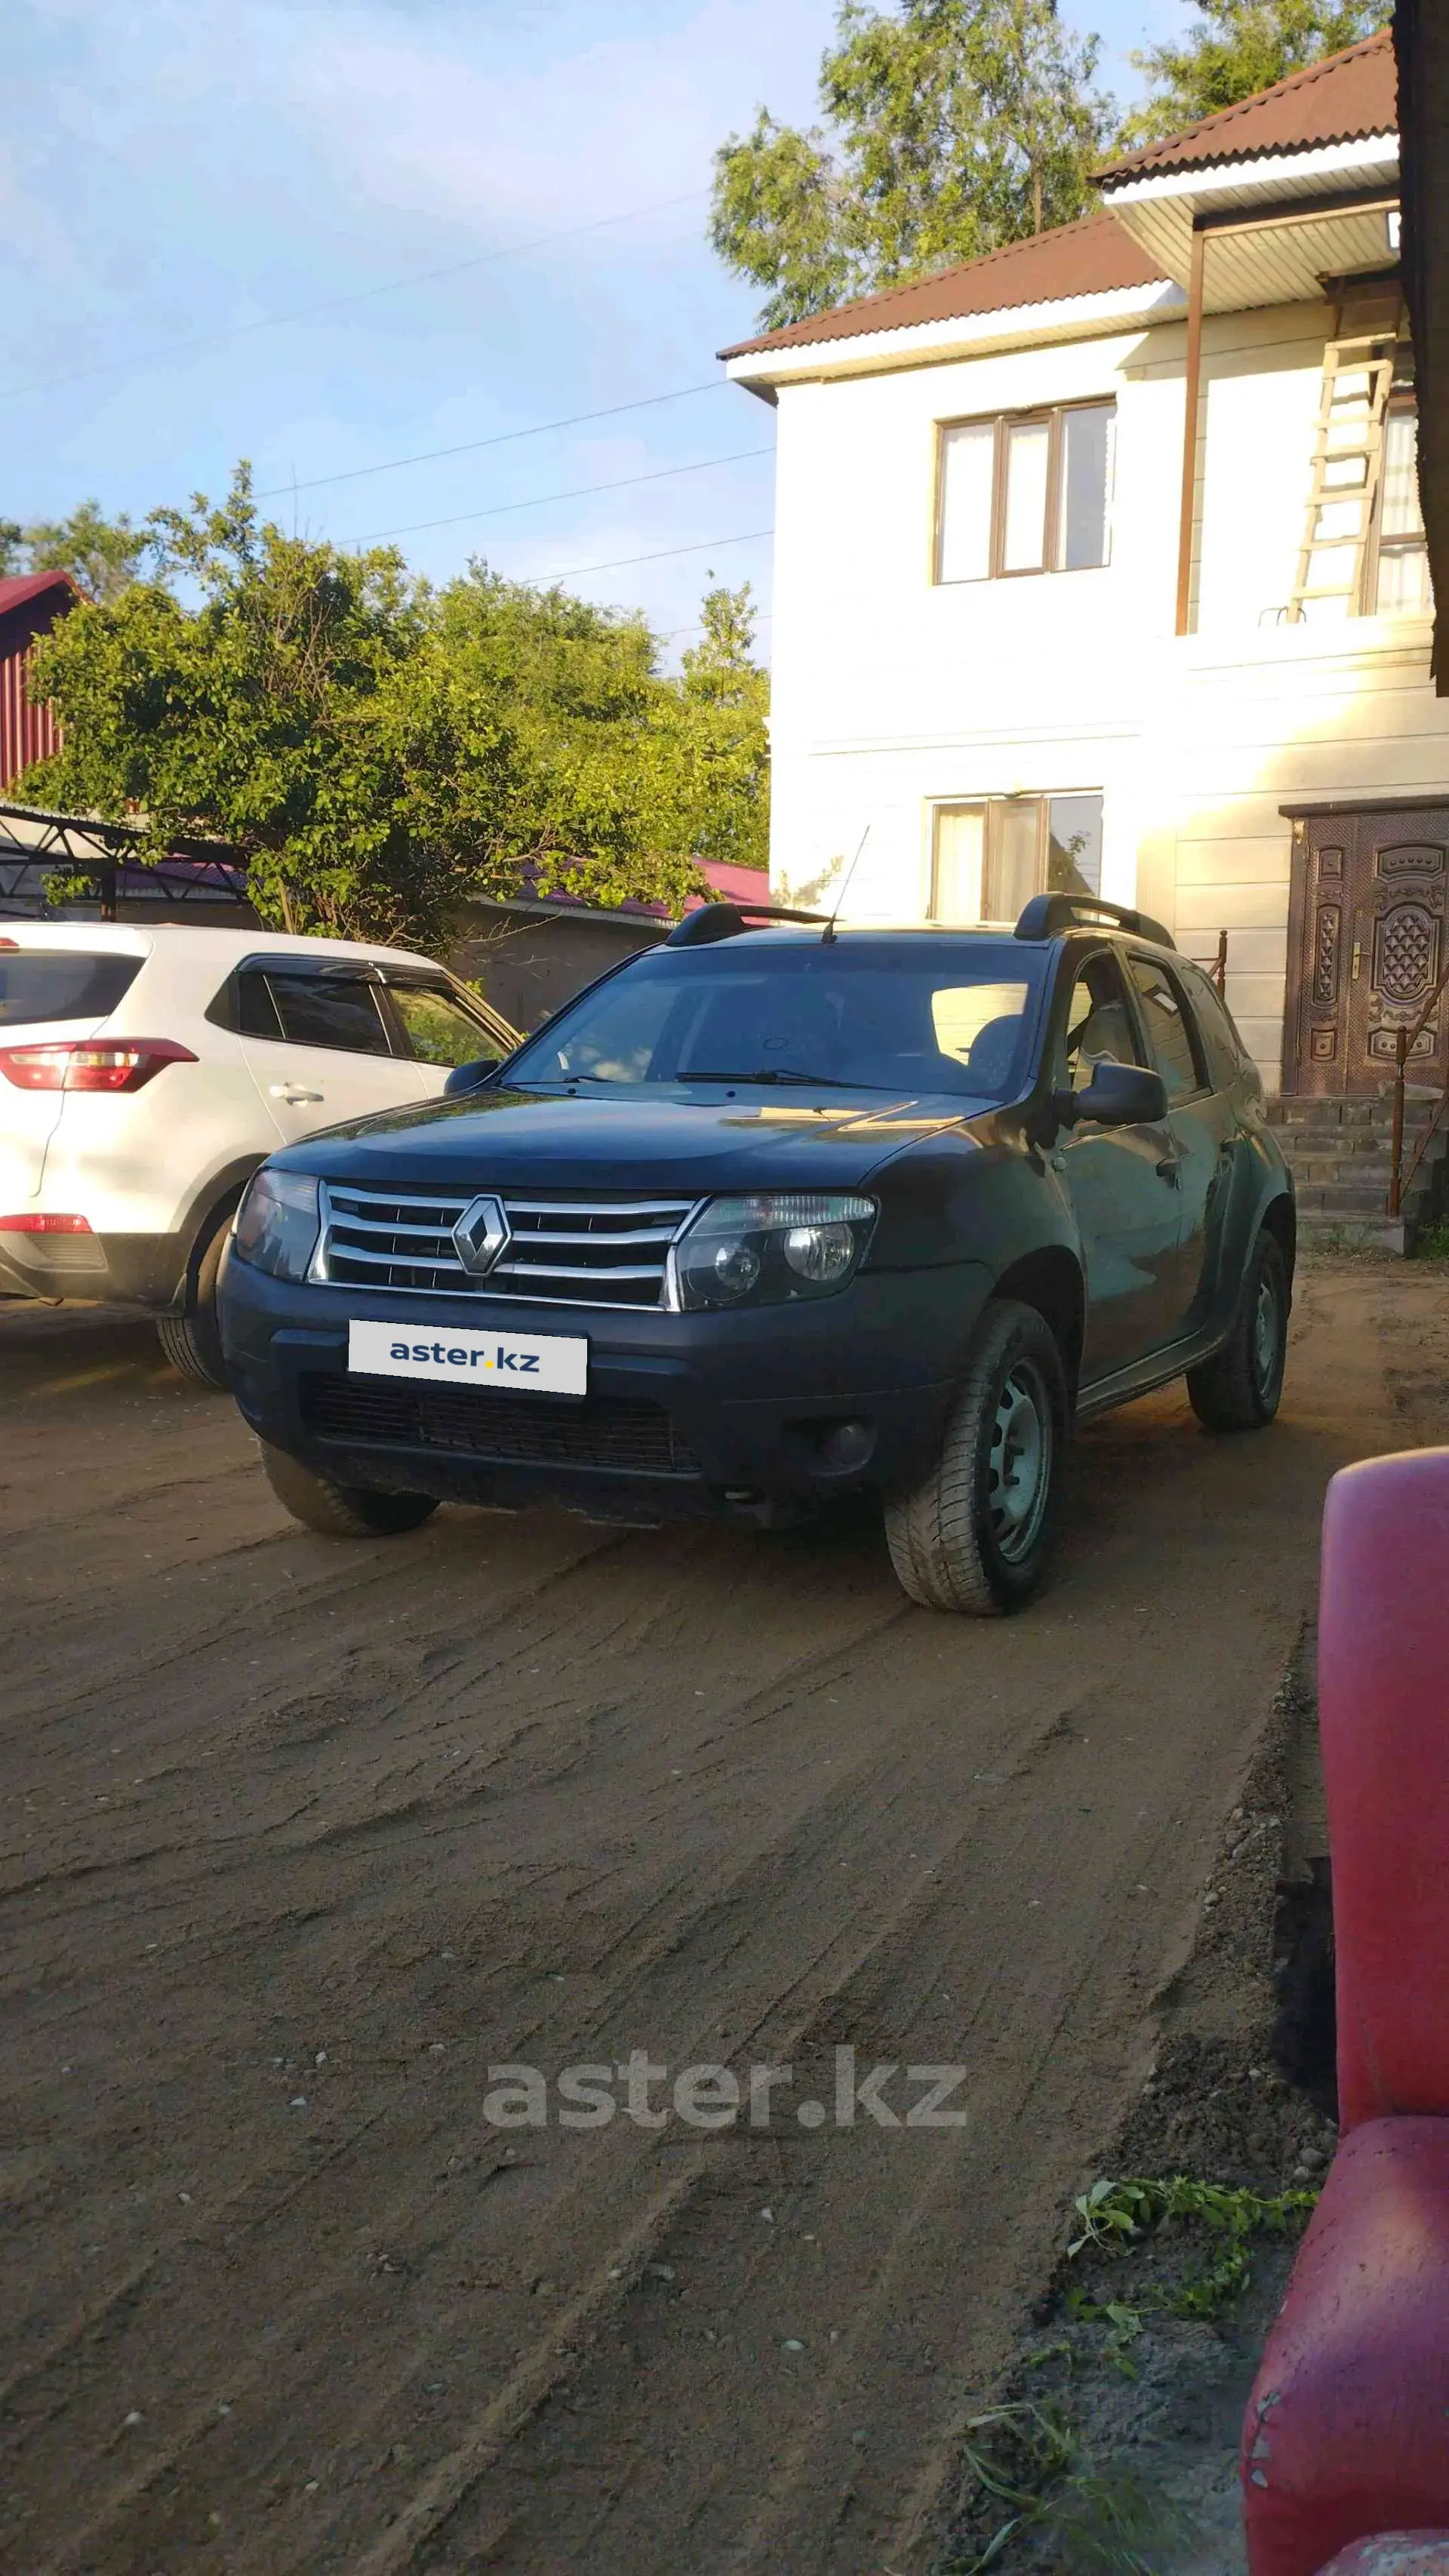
(102, 555)
(724, 701)
(951, 127)
(1235, 48)
(591, 803)
(379, 751)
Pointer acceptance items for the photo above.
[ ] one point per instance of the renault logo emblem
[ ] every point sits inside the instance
(480, 1235)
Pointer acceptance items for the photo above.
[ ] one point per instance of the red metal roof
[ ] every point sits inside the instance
(18, 588)
(1340, 100)
(29, 606)
(1086, 258)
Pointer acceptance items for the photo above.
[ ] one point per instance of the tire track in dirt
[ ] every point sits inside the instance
(520, 1789)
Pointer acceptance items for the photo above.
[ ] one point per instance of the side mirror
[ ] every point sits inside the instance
(1118, 1095)
(469, 1077)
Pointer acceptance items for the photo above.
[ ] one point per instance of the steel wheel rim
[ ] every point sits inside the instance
(1019, 1464)
(1265, 1334)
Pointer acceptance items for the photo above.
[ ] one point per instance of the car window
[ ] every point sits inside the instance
(1169, 1029)
(256, 1012)
(338, 1011)
(437, 1028)
(902, 1015)
(1099, 1027)
(616, 1041)
(1224, 1046)
(62, 984)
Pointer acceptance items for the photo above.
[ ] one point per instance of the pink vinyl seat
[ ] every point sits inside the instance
(1347, 2431)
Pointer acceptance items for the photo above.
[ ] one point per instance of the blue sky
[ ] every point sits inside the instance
(212, 208)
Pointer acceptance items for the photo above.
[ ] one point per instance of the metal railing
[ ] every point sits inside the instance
(1404, 1041)
(1216, 968)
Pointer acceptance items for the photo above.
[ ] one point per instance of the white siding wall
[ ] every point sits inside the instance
(891, 693)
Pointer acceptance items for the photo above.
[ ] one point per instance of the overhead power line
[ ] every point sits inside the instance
(502, 509)
(354, 295)
(707, 545)
(502, 438)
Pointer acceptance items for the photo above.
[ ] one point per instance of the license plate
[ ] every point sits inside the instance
(515, 1363)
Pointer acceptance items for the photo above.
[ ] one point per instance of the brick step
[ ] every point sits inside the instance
(1378, 1112)
(1350, 1144)
(1364, 1122)
(1355, 1199)
(1356, 1234)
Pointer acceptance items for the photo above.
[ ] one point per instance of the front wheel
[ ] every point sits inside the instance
(976, 1534)
(341, 1511)
(1239, 1387)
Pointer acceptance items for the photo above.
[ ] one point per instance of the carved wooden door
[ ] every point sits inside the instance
(1366, 949)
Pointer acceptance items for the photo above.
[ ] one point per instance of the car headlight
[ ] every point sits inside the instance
(771, 1246)
(278, 1223)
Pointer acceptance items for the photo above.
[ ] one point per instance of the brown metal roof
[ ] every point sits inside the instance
(1087, 258)
(1339, 100)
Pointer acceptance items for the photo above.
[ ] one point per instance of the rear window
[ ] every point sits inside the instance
(62, 984)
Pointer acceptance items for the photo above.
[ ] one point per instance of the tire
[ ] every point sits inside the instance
(1239, 1387)
(192, 1342)
(341, 1511)
(962, 1541)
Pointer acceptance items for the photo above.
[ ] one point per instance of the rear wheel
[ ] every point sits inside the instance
(976, 1534)
(192, 1342)
(341, 1511)
(1239, 1387)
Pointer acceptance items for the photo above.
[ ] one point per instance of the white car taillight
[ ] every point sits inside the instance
(92, 1064)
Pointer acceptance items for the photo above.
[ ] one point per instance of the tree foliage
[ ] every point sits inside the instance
(102, 555)
(379, 751)
(951, 127)
(1235, 48)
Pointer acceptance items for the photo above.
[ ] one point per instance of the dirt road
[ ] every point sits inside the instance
(299, 1838)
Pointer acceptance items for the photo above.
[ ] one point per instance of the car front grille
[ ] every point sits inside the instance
(510, 1430)
(562, 1251)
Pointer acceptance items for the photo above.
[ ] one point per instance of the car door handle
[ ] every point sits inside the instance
(294, 1092)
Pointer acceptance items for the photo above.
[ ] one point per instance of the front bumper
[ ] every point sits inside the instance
(758, 1411)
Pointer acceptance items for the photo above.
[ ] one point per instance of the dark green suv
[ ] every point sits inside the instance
(775, 1212)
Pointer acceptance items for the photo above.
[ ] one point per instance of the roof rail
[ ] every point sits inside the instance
(727, 920)
(1046, 914)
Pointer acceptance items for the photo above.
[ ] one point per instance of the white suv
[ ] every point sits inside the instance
(145, 1073)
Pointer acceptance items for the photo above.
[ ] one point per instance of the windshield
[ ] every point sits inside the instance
(904, 1015)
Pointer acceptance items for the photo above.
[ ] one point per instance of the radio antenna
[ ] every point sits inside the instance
(827, 935)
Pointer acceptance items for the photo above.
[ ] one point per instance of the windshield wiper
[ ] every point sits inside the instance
(783, 1073)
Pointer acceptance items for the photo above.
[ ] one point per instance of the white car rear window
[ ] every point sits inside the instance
(62, 984)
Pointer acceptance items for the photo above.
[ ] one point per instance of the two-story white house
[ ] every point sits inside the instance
(1099, 563)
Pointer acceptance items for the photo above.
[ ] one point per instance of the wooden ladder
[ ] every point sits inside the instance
(1348, 455)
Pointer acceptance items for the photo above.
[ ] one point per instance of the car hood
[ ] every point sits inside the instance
(674, 1142)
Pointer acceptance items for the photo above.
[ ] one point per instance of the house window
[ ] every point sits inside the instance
(1027, 492)
(991, 854)
(1399, 573)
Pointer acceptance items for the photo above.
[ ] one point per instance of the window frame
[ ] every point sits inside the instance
(1002, 423)
(987, 806)
(1197, 1044)
(1076, 960)
(224, 1009)
(1403, 398)
(1197, 984)
(469, 1006)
